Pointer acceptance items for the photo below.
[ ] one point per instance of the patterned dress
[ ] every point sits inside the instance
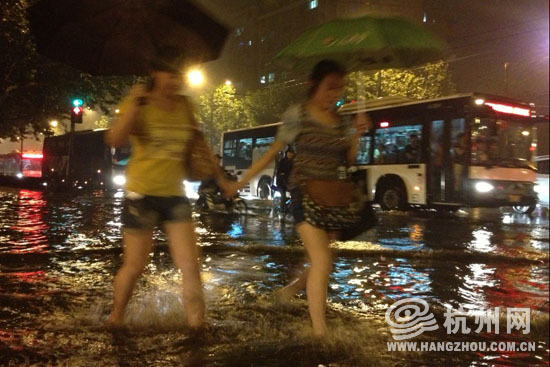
(320, 150)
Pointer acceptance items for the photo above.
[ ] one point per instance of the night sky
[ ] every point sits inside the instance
(483, 35)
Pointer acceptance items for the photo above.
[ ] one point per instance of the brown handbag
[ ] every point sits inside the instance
(197, 161)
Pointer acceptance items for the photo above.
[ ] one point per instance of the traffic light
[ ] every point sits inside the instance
(76, 115)
(77, 111)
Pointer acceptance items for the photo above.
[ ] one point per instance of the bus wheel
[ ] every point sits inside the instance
(392, 198)
(524, 209)
(263, 190)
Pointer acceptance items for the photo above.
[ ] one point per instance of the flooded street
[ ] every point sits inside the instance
(59, 255)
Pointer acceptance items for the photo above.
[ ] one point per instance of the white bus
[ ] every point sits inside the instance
(240, 148)
(467, 150)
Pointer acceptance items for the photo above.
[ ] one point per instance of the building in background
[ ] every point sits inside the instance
(265, 27)
(498, 46)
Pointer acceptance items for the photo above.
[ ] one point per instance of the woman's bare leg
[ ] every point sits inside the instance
(296, 285)
(137, 247)
(185, 254)
(316, 242)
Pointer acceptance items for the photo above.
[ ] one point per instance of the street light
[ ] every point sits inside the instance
(228, 82)
(54, 123)
(195, 77)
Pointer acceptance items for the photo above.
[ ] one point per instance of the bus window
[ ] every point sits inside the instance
(244, 152)
(400, 144)
(260, 147)
(436, 141)
(457, 128)
(501, 141)
(458, 141)
(120, 155)
(363, 153)
(229, 149)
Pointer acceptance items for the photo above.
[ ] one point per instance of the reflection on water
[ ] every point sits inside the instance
(58, 256)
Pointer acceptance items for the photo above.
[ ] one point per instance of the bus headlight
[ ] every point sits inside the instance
(484, 187)
(119, 180)
(191, 189)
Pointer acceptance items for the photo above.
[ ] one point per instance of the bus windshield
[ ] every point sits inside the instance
(502, 142)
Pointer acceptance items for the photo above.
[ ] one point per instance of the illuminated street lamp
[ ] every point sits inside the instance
(54, 123)
(195, 77)
(228, 82)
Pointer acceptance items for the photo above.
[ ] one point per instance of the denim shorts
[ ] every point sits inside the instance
(144, 212)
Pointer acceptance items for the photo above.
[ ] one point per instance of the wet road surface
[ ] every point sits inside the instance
(59, 255)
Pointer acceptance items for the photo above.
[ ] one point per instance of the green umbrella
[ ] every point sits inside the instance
(364, 43)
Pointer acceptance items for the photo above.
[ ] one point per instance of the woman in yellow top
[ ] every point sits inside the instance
(157, 121)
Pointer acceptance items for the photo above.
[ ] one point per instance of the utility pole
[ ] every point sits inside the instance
(76, 118)
(22, 137)
(506, 63)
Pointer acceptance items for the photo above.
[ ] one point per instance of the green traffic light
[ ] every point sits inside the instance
(77, 102)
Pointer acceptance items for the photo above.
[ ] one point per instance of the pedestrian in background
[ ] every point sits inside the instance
(282, 175)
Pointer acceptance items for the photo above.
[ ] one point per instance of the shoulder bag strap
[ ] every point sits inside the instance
(189, 111)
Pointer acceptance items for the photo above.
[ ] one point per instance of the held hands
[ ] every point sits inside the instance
(362, 123)
(230, 188)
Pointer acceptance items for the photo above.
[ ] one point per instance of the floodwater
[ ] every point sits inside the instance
(59, 255)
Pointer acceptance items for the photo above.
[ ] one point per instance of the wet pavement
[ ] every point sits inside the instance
(59, 255)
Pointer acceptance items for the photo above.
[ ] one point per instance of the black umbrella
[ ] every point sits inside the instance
(122, 37)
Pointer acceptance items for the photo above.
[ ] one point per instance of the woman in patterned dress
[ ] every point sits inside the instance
(322, 144)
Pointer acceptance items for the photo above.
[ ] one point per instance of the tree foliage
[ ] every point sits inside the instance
(429, 81)
(102, 123)
(223, 109)
(35, 90)
(267, 105)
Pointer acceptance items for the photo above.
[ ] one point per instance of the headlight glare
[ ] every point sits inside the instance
(484, 187)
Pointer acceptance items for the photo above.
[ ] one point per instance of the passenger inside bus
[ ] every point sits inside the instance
(397, 145)
(459, 161)
(480, 152)
(244, 153)
(379, 153)
(412, 150)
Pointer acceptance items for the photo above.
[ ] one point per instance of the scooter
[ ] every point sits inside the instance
(277, 200)
(211, 199)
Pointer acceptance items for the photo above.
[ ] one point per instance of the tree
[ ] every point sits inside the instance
(33, 89)
(102, 123)
(429, 81)
(221, 110)
(268, 104)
